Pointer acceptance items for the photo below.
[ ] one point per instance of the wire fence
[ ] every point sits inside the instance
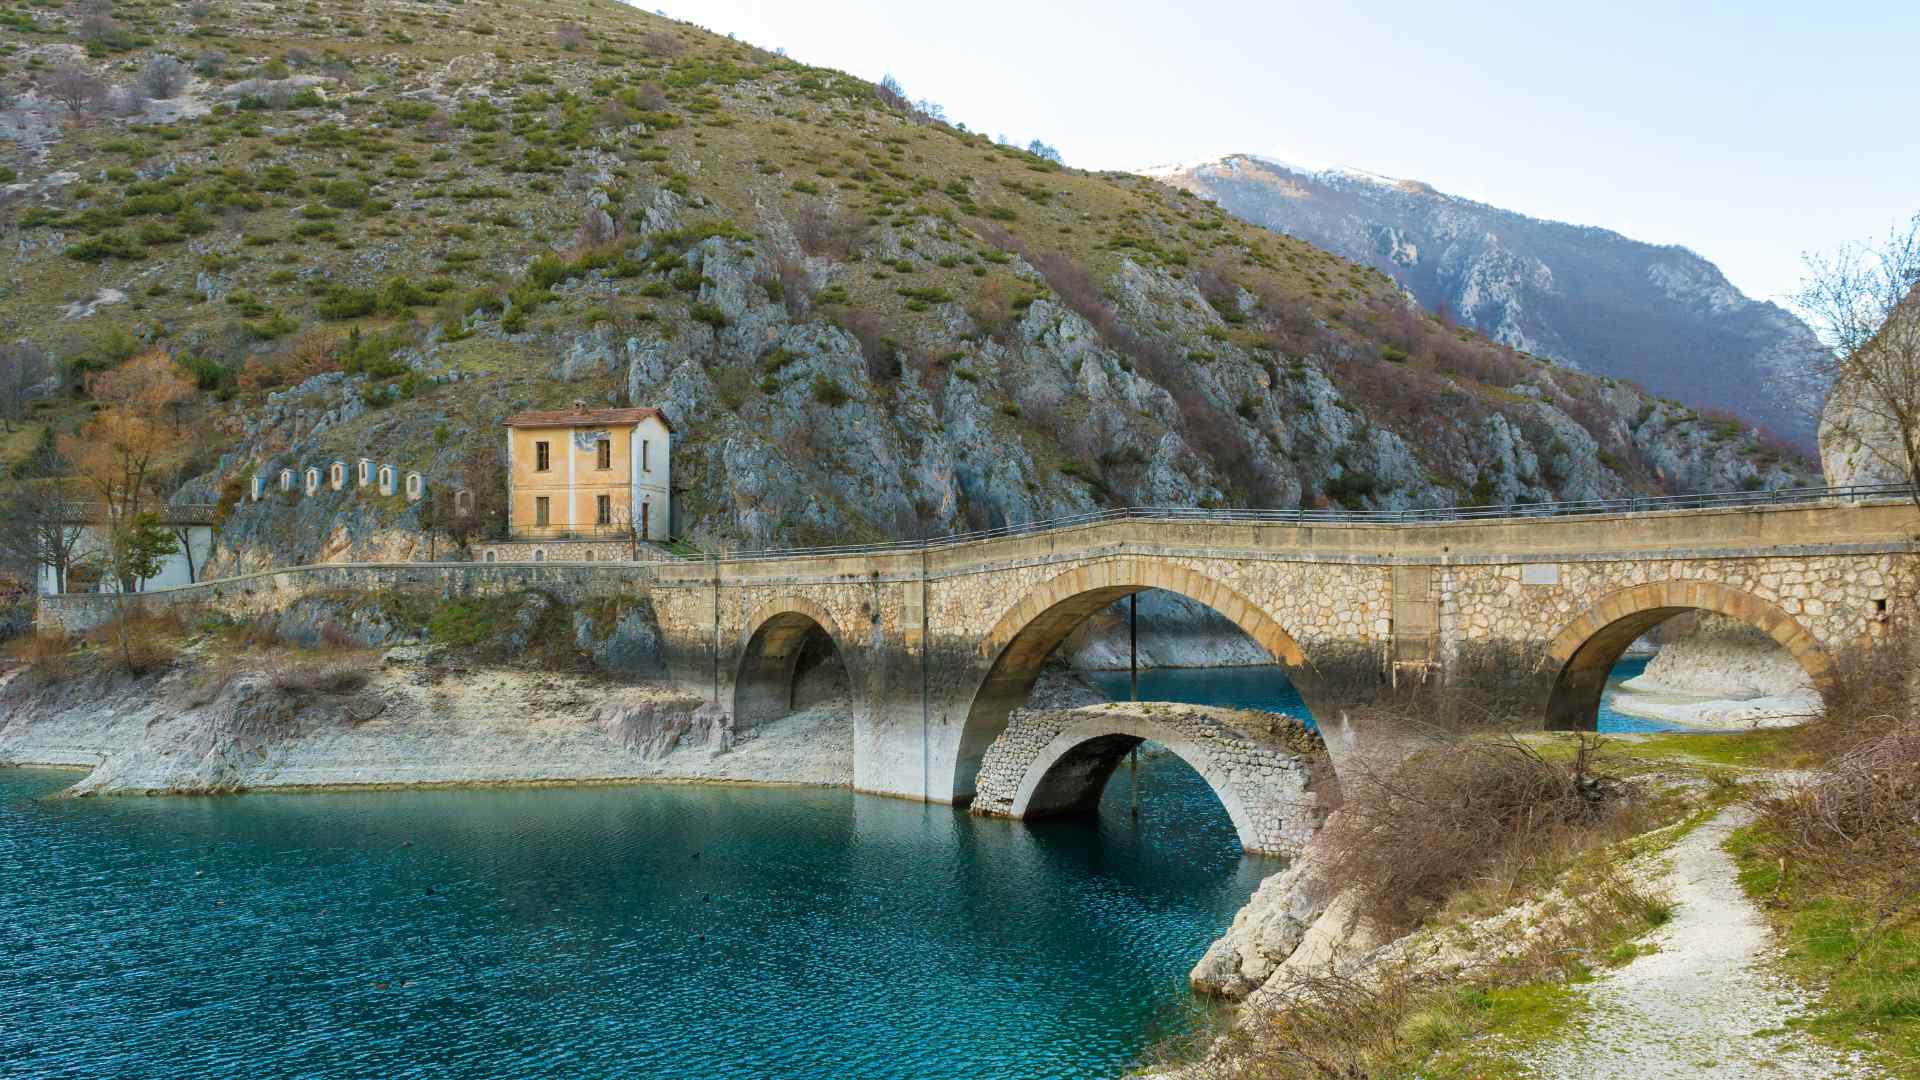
(1729, 500)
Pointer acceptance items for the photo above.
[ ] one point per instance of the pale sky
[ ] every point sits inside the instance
(1748, 131)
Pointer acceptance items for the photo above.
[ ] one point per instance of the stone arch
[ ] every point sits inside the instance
(780, 635)
(1582, 654)
(1027, 633)
(1273, 811)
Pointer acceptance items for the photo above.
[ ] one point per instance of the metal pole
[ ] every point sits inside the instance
(1133, 694)
(1133, 646)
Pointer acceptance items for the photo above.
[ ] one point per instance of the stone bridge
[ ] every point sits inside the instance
(1259, 764)
(941, 642)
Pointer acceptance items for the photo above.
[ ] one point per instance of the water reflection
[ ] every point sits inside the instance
(1266, 686)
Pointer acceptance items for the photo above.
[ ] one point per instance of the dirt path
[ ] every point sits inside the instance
(1704, 1005)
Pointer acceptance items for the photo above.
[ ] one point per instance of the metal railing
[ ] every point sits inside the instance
(1729, 500)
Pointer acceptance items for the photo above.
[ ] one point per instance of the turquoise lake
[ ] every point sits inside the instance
(647, 930)
(650, 930)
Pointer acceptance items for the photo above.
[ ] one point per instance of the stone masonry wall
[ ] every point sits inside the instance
(1258, 763)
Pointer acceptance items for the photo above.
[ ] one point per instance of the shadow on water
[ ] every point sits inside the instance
(650, 930)
(1266, 686)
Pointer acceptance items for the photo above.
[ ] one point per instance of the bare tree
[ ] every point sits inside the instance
(163, 76)
(1864, 301)
(22, 367)
(76, 88)
(570, 37)
(128, 100)
(38, 526)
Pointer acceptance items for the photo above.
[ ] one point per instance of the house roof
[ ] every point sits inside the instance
(584, 418)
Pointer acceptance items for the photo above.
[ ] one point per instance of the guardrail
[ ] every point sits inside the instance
(1439, 515)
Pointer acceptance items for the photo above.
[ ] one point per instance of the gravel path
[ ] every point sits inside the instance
(1705, 1004)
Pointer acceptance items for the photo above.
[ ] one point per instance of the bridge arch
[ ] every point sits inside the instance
(1583, 653)
(1060, 768)
(783, 639)
(1028, 632)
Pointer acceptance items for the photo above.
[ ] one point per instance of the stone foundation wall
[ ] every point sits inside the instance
(595, 551)
(273, 590)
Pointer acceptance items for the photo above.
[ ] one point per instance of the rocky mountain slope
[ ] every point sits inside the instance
(379, 227)
(1660, 316)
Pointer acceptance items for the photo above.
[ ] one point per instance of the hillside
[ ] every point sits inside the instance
(1660, 316)
(381, 226)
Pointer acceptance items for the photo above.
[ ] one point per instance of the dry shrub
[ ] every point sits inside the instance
(1870, 691)
(1391, 1018)
(47, 656)
(142, 640)
(836, 234)
(329, 672)
(1868, 797)
(662, 44)
(42, 646)
(1408, 837)
(1852, 828)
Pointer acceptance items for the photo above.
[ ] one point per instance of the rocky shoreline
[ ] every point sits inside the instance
(405, 721)
(1723, 675)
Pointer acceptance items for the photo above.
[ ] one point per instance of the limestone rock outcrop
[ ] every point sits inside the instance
(1264, 933)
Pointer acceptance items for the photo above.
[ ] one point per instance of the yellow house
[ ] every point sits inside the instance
(588, 473)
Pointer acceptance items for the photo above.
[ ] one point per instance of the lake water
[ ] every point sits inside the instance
(646, 931)
(1266, 687)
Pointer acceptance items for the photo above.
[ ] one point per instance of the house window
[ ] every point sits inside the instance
(489, 556)
(603, 508)
(540, 511)
(645, 446)
(542, 460)
(646, 513)
(605, 447)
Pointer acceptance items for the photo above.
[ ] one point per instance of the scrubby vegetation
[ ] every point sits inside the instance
(1462, 831)
(1835, 860)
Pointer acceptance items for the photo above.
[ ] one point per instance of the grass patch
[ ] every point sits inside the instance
(1867, 963)
(1779, 748)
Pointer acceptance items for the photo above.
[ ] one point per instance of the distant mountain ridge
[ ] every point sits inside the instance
(1661, 316)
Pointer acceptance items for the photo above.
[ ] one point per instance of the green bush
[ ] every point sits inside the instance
(346, 194)
(400, 296)
(827, 391)
(346, 302)
(374, 356)
(108, 245)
